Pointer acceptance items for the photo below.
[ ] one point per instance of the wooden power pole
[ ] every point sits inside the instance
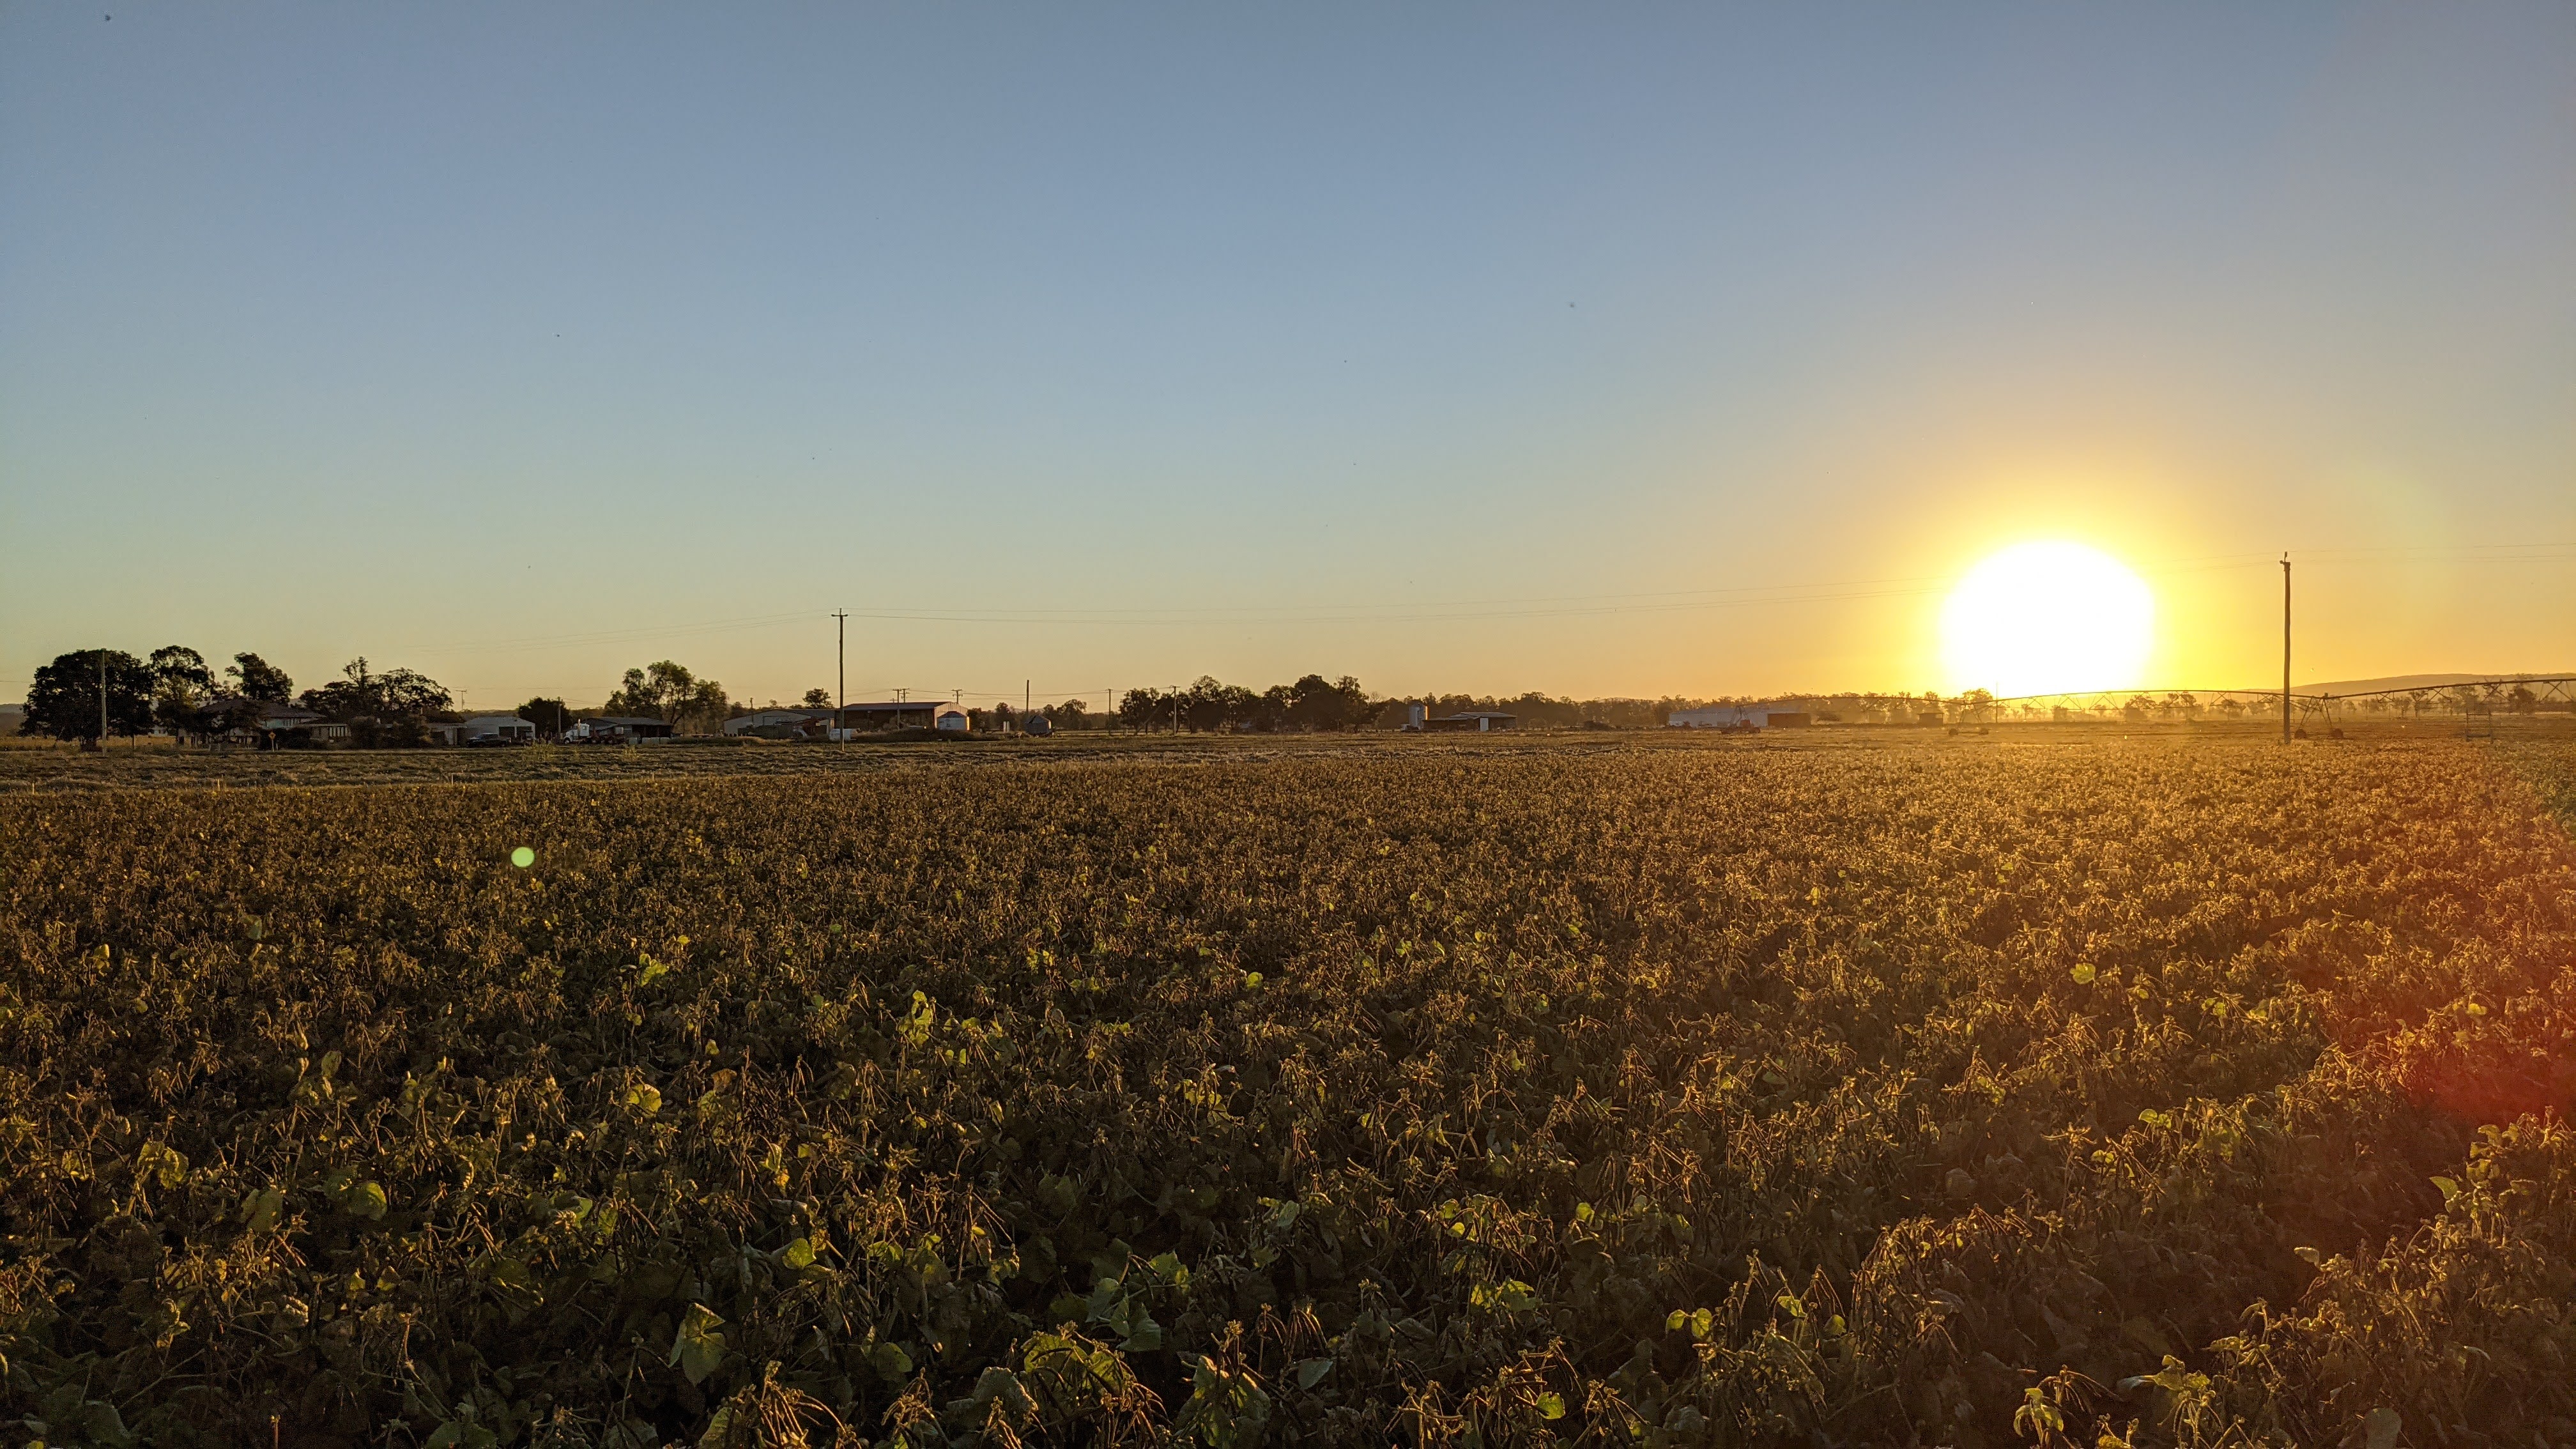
(841, 653)
(2285, 648)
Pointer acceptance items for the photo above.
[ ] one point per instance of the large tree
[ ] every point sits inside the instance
(1212, 703)
(550, 716)
(1320, 706)
(256, 678)
(392, 708)
(65, 700)
(1144, 708)
(182, 688)
(667, 691)
(707, 708)
(656, 691)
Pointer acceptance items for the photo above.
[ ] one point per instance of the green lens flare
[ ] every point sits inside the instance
(523, 857)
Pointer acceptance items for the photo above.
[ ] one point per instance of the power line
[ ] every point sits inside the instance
(1465, 610)
(1522, 607)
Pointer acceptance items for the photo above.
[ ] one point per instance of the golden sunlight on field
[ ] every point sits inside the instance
(2046, 617)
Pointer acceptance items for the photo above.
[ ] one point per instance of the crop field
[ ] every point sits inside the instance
(2167, 1091)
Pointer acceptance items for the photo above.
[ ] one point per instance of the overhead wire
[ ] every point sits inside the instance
(1456, 610)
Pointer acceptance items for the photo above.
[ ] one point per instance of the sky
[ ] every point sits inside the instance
(1600, 350)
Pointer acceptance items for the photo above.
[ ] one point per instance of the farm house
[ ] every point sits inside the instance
(486, 729)
(616, 729)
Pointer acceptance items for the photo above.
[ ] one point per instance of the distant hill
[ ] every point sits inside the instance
(2415, 681)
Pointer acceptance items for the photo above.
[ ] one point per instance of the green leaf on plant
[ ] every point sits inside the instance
(697, 1348)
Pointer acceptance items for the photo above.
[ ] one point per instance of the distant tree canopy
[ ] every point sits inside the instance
(1535, 709)
(392, 708)
(183, 689)
(818, 698)
(256, 678)
(667, 691)
(175, 690)
(1311, 703)
(64, 701)
(177, 663)
(550, 716)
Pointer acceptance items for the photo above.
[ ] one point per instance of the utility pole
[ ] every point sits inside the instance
(102, 700)
(841, 698)
(2285, 648)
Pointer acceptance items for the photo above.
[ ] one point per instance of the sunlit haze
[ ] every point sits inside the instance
(2048, 617)
(1479, 348)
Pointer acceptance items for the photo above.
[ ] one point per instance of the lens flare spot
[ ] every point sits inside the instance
(523, 857)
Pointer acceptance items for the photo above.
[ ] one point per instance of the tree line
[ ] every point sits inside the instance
(174, 689)
(177, 691)
(1309, 704)
(1313, 703)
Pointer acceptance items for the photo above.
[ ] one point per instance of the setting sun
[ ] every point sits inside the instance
(2048, 617)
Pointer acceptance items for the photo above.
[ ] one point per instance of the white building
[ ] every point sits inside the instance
(1474, 721)
(617, 729)
(857, 721)
(1742, 717)
(486, 729)
(778, 723)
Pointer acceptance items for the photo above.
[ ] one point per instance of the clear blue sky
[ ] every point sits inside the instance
(1111, 345)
